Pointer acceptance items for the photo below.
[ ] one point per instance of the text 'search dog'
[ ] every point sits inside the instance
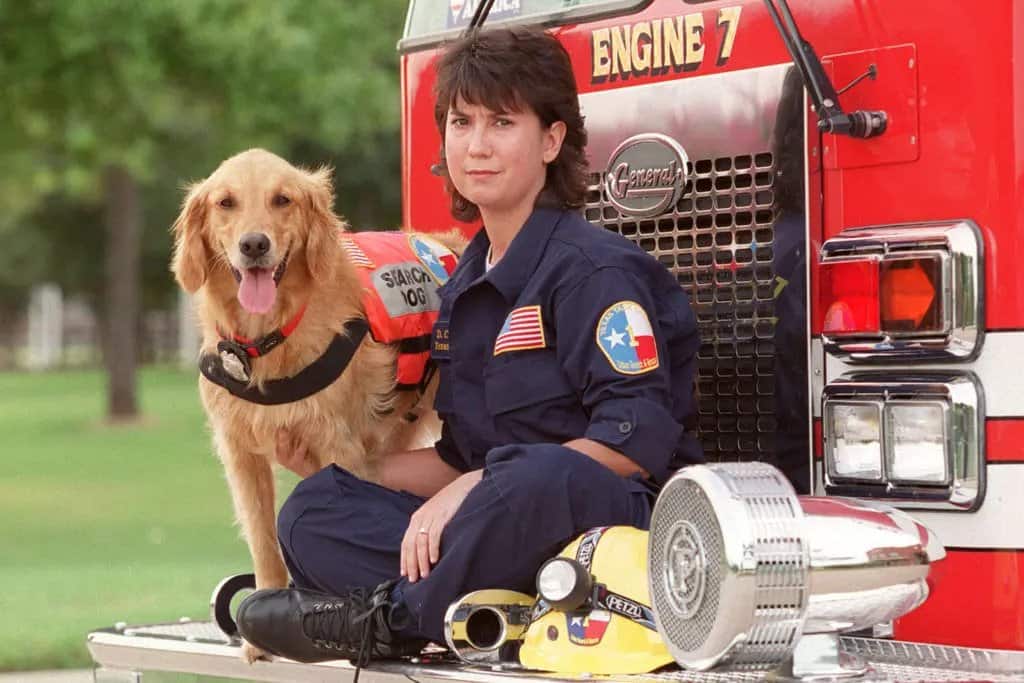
(310, 333)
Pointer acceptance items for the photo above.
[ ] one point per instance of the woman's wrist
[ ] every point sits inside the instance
(421, 472)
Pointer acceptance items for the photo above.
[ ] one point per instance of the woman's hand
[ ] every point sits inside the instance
(290, 452)
(421, 546)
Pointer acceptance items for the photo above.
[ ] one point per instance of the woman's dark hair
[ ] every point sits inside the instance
(516, 69)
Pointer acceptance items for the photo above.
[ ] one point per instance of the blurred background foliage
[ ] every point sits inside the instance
(168, 89)
(107, 108)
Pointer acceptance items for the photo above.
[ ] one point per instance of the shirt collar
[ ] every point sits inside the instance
(510, 274)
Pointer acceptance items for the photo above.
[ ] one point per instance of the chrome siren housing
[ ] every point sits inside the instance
(743, 571)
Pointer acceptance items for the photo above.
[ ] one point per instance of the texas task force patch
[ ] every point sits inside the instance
(437, 258)
(626, 338)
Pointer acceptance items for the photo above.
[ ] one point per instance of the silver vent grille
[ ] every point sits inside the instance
(755, 579)
(687, 632)
(718, 240)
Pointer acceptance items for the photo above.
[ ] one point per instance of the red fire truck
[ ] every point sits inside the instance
(839, 187)
(818, 262)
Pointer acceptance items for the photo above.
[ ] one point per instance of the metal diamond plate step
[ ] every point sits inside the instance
(201, 650)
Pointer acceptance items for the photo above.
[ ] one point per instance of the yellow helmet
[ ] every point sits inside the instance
(593, 613)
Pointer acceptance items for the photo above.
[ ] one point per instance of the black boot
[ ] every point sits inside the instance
(308, 626)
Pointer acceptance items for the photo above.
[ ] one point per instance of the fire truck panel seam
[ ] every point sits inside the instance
(1000, 353)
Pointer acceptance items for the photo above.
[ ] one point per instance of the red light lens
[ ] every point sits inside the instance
(910, 294)
(849, 291)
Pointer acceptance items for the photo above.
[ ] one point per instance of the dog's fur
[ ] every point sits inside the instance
(353, 422)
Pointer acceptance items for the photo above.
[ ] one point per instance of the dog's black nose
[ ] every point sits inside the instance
(254, 244)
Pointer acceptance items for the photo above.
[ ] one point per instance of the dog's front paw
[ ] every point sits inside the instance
(250, 653)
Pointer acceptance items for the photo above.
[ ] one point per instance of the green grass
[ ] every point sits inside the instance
(100, 524)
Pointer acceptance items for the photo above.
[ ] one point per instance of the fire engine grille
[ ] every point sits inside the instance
(718, 242)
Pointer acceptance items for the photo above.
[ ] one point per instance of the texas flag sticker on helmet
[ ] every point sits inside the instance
(587, 629)
(437, 258)
(626, 338)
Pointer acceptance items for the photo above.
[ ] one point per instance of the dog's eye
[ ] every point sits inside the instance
(281, 200)
(226, 203)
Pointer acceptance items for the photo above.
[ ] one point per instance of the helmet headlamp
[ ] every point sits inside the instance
(564, 584)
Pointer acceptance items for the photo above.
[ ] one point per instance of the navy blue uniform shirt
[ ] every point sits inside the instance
(575, 333)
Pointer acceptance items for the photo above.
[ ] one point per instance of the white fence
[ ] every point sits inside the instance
(54, 332)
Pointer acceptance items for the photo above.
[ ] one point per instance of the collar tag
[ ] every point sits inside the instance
(235, 360)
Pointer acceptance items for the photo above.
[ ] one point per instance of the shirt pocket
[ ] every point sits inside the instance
(530, 399)
(524, 378)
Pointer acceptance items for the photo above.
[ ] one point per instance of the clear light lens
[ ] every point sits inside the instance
(918, 440)
(556, 581)
(857, 434)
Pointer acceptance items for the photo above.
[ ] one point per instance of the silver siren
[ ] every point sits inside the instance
(745, 573)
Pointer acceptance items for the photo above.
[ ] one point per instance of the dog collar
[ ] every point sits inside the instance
(268, 342)
(236, 351)
(226, 366)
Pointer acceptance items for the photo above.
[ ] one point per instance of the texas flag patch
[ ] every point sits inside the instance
(625, 337)
(437, 258)
(523, 329)
(587, 629)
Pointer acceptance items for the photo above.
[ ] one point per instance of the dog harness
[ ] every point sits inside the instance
(400, 274)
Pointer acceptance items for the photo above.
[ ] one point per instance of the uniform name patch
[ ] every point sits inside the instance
(437, 258)
(626, 338)
(523, 329)
(440, 347)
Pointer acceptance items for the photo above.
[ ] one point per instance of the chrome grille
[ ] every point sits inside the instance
(718, 242)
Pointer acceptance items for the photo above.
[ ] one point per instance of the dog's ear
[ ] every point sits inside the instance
(321, 223)
(191, 256)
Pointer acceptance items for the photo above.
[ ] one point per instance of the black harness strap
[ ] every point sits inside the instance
(315, 377)
(416, 345)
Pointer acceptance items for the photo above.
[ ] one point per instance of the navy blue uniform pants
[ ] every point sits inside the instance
(338, 531)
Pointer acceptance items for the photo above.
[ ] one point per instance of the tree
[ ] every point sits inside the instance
(110, 104)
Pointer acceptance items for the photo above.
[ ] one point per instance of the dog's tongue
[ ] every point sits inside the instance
(257, 290)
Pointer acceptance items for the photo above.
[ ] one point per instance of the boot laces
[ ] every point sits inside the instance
(339, 624)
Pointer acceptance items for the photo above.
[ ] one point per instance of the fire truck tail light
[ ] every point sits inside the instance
(916, 438)
(911, 295)
(850, 290)
(908, 292)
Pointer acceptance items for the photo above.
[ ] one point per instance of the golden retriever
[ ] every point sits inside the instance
(251, 286)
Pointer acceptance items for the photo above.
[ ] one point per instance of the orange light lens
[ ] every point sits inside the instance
(910, 294)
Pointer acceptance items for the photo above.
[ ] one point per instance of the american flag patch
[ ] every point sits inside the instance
(355, 254)
(522, 330)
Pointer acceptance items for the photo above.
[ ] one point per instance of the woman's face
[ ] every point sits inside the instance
(498, 160)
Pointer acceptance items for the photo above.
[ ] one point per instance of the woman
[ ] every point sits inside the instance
(566, 370)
